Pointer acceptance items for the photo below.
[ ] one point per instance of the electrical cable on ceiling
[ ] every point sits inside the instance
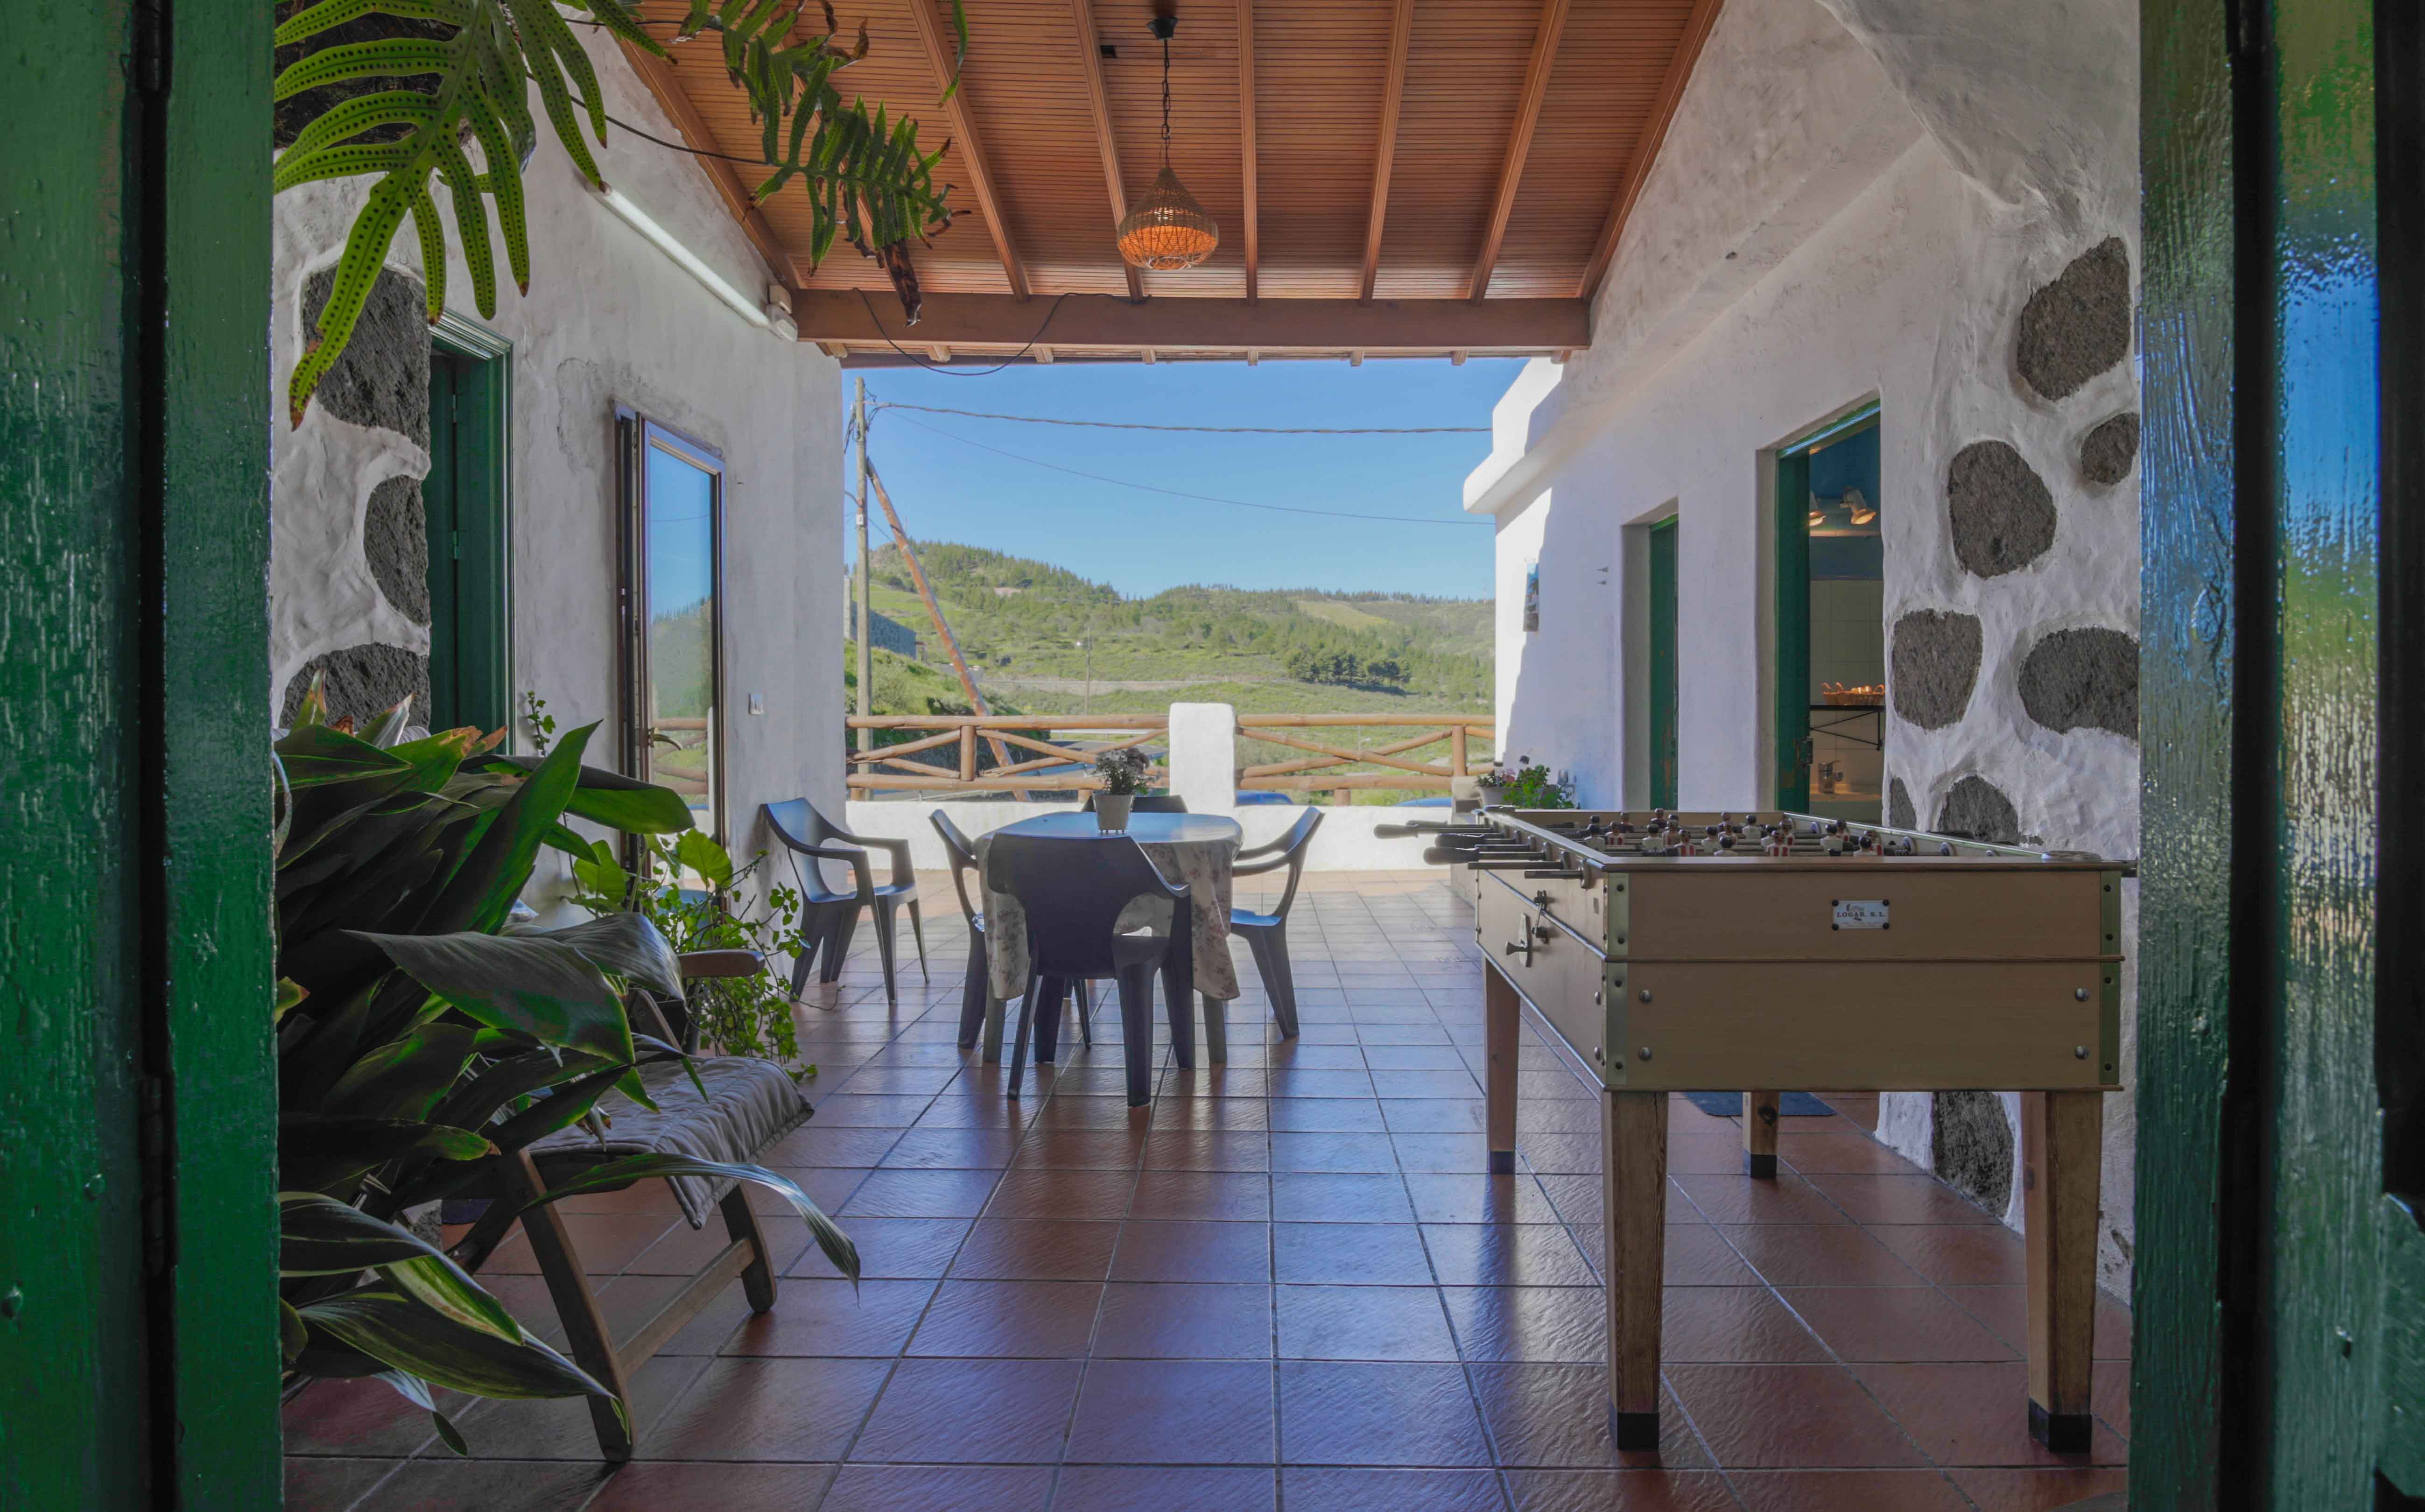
(959, 372)
(1175, 493)
(1209, 430)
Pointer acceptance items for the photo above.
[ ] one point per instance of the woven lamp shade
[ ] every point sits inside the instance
(1166, 230)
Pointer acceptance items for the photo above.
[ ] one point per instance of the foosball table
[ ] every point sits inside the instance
(1658, 952)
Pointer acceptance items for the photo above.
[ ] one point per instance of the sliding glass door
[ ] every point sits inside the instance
(673, 585)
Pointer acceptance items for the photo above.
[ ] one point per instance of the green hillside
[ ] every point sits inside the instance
(1021, 624)
(904, 687)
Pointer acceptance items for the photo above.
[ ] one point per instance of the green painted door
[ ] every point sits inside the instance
(137, 1244)
(1663, 663)
(2280, 1284)
(464, 496)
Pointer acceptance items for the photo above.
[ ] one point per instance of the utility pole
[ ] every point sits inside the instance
(866, 655)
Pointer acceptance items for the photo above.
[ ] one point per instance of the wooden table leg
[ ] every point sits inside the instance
(1216, 1029)
(1759, 1134)
(1504, 1024)
(1634, 1225)
(2062, 1145)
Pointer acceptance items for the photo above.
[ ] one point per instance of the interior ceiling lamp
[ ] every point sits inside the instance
(1166, 230)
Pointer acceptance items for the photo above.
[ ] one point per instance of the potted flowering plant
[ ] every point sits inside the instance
(1525, 785)
(1123, 771)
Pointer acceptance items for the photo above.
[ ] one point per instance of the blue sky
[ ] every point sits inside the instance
(1142, 542)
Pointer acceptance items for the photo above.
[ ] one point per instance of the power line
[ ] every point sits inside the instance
(1176, 493)
(1210, 431)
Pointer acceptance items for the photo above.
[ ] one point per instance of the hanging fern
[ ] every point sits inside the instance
(866, 178)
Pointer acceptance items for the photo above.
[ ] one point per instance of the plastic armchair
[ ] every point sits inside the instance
(1072, 893)
(1266, 933)
(829, 915)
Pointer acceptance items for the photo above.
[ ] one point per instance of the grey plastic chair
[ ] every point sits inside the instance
(805, 832)
(1266, 933)
(962, 853)
(1073, 892)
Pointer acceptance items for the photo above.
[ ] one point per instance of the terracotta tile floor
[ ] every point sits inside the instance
(1283, 1284)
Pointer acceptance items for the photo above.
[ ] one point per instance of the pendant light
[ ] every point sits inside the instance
(1167, 229)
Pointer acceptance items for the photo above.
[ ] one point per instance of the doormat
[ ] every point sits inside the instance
(1789, 1104)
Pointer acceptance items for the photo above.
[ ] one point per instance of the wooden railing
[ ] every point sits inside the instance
(1017, 754)
(970, 738)
(1401, 768)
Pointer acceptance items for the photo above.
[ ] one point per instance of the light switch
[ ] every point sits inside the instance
(757, 703)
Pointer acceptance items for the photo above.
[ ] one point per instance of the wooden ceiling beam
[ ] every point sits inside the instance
(970, 324)
(1646, 147)
(658, 75)
(1247, 149)
(1545, 33)
(939, 57)
(1393, 94)
(1090, 59)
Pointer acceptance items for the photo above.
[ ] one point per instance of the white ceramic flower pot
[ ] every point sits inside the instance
(1112, 812)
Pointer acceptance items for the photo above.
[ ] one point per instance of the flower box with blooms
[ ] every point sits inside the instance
(1525, 785)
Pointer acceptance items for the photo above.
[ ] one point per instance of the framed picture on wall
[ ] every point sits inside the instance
(1532, 597)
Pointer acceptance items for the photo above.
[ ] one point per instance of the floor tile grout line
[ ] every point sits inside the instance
(1846, 1366)
(893, 1370)
(1094, 1327)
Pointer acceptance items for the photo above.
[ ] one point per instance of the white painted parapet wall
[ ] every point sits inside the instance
(1203, 763)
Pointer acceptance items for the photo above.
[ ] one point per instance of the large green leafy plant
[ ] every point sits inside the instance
(417, 1045)
(738, 1015)
(864, 176)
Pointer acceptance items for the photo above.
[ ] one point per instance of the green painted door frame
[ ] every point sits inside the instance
(1790, 603)
(1664, 682)
(466, 498)
(2280, 1283)
(1792, 641)
(137, 1109)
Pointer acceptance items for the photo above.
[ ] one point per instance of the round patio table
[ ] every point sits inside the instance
(1198, 849)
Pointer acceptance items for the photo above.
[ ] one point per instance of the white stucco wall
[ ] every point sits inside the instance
(1855, 201)
(609, 320)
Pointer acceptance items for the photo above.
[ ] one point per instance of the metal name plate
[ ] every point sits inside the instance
(1860, 913)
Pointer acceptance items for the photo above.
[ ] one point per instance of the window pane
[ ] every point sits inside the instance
(681, 546)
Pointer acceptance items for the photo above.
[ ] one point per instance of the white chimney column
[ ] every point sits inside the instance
(1204, 756)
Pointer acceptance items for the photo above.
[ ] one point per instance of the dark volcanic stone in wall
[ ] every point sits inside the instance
(1974, 1146)
(2003, 517)
(363, 681)
(297, 111)
(1900, 814)
(2107, 453)
(2083, 678)
(395, 539)
(383, 379)
(1977, 809)
(1935, 666)
(2080, 325)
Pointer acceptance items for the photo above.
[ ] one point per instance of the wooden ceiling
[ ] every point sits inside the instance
(1391, 177)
